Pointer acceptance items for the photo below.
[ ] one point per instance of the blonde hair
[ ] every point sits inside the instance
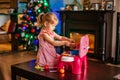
(49, 17)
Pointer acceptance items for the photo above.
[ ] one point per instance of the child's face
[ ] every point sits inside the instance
(50, 25)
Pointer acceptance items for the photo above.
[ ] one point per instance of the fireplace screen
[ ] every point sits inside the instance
(76, 36)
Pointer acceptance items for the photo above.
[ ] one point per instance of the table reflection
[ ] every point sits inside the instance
(70, 76)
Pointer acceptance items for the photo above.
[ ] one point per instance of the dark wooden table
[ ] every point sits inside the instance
(96, 71)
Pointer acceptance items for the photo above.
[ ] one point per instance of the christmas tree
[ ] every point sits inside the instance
(27, 31)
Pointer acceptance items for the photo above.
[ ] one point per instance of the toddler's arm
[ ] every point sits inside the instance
(63, 38)
(55, 42)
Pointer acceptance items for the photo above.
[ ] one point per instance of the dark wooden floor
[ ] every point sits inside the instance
(10, 58)
(96, 70)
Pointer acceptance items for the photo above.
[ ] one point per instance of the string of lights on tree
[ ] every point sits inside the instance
(27, 31)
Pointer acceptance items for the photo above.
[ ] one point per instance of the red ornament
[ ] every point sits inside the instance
(45, 7)
(17, 36)
(39, 5)
(32, 30)
(46, 67)
(26, 25)
(28, 18)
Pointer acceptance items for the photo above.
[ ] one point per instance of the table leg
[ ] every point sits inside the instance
(13, 75)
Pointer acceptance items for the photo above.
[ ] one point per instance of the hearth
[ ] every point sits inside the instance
(97, 24)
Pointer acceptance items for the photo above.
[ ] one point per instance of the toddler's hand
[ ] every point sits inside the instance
(72, 44)
(67, 43)
(72, 40)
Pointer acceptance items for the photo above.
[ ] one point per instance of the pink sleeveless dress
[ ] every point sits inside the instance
(46, 54)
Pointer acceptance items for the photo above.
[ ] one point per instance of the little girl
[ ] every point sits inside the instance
(48, 39)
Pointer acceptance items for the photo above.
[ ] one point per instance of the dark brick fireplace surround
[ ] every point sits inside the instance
(98, 23)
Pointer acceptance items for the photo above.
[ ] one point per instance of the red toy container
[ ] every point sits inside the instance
(76, 63)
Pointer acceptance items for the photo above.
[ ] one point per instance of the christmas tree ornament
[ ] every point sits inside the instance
(33, 0)
(41, 1)
(24, 28)
(26, 25)
(17, 36)
(35, 24)
(36, 8)
(26, 36)
(32, 30)
(36, 41)
(39, 5)
(36, 48)
(22, 34)
(31, 37)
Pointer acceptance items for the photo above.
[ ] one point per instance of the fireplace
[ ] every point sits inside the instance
(97, 24)
(77, 36)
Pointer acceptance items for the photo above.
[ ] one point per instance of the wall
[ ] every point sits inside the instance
(117, 9)
(55, 5)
